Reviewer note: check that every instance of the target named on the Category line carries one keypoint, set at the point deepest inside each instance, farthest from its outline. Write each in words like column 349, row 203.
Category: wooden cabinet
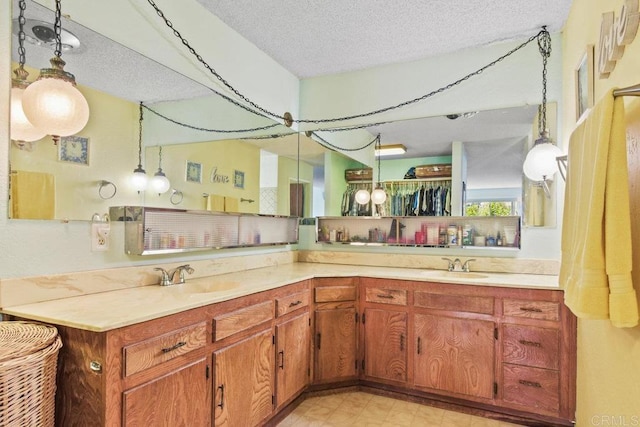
column 180, row 397
column 292, row 358
column 385, row 344
column 454, row 355
column 243, row 386
column 335, row 333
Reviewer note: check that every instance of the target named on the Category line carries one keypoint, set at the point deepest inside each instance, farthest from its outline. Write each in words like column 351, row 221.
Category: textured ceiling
column 319, row 37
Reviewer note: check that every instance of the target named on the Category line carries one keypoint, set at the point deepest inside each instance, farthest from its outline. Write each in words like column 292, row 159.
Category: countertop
column 114, row 309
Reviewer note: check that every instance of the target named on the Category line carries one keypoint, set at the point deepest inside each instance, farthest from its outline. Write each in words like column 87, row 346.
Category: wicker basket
column 28, row 362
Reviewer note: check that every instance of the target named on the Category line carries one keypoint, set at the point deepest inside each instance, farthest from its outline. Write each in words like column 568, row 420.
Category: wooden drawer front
column 291, row 303
column 240, row 320
column 334, row 281
column 336, row 293
column 534, row 388
column 543, row 310
column 386, row 296
column 531, row 346
column 472, row 304
column 152, row 352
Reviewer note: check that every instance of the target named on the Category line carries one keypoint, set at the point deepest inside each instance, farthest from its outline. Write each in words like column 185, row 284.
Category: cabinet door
column 455, row 355
column 335, row 344
column 292, row 357
column 385, row 344
column 243, row 386
column 179, row 398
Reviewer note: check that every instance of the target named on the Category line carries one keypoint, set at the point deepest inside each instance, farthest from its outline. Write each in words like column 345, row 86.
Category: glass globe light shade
column 21, row 128
column 541, row 163
column 363, row 196
column 378, row 196
column 159, row 183
column 55, row 106
column 139, row 179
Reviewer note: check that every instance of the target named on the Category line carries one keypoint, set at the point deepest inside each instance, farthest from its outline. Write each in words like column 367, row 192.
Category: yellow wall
column 608, row 379
column 288, row 174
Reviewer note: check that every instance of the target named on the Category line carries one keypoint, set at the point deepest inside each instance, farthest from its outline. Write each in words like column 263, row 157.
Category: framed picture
column 74, row 149
column 584, row 82
column 238, row 179
column 193, row 172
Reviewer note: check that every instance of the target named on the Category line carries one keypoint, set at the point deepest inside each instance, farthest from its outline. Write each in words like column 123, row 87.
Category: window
column 492, row 208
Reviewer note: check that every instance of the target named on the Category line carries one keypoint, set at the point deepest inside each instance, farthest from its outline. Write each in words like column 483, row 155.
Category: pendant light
column 53, row 103
column 160, row 183
column 540, row 163
column 378, row 195
column 22, row 130
column 139, row 177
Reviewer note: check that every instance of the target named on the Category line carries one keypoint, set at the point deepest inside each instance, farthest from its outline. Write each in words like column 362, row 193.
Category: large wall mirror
column 269, row 170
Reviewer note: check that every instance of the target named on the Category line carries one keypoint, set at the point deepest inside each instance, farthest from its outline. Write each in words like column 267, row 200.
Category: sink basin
column 444, row 274
column 206, row 288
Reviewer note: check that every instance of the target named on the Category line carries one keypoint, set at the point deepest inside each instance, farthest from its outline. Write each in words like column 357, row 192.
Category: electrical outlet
column 100, row 237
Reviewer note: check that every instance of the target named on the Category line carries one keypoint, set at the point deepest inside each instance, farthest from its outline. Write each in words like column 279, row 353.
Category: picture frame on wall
column 584, row 83
column 74, row 149
column 193, row 172
column 238, row 179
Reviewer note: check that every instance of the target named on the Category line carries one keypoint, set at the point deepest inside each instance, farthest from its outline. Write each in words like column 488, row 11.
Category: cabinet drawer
column 291, row 303
column 336, row 293
column 534, row 388
column 472, row 304
column 152, row 352
column 240, row 320
column 531, row 346
column 543, row 310
column 386, row 296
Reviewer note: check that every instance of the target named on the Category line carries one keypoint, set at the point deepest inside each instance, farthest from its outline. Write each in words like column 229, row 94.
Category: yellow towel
column 596, row 236
column 33, row 195
column 215, row 203
column 231, row 204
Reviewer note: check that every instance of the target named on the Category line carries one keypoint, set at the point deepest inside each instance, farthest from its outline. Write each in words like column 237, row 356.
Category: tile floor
column 363, row 409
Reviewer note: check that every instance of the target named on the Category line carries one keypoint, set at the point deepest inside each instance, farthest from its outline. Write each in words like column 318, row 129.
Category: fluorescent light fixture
column 390, row 150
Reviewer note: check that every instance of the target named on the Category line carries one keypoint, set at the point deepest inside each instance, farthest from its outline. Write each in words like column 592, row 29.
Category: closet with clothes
column 427, row 197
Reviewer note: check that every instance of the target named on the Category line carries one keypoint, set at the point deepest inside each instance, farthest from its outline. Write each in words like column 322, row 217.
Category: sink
column 206, row 288
column 444, row 274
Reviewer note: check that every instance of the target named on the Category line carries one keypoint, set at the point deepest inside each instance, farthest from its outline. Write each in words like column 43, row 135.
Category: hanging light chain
column 169, row 119
column 140, row 137
column 479, row 71
column 378, row 145
column 544, row 46
column 57, row 28
column 160, row 158
column 21, row 36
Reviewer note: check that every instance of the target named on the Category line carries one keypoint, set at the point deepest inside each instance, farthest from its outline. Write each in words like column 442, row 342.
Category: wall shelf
column 499, row 233
column 156, row 231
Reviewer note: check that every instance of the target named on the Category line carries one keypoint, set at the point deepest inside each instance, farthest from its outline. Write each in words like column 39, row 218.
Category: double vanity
column 243, row 348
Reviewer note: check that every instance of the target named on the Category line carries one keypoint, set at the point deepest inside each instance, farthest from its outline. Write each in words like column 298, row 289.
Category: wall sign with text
column 615, row 34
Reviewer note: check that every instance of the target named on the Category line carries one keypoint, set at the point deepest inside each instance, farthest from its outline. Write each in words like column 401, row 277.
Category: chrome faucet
column 465, row 266
column 454, row 265
column 169, row 278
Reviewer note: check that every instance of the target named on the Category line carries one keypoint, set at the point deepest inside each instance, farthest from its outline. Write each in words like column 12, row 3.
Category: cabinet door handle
column 281, row 354
column 174, row 347
column 401, row 342
column 419, row 345
column 221, row 404
column 530, row 343
column 386, row 296
column 318, row 340
column 531, row 309
column 530, row 383
column 293, row 304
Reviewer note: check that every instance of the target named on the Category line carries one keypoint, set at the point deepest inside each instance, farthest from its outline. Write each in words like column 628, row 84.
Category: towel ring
column 107, row 190
column 176, row 197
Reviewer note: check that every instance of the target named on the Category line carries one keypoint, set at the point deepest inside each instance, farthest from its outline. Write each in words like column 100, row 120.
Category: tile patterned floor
column 355, row 409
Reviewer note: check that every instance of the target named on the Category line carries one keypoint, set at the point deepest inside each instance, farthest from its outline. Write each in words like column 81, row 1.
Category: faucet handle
column 180, row 270
column 465, row 266
column 451, row 265
column 164, row 278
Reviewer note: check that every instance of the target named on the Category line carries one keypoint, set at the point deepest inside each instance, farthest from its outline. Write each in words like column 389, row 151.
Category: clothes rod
column 628, row 91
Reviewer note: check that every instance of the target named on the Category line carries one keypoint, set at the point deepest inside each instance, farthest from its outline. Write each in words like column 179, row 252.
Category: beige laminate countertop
column 114, row 309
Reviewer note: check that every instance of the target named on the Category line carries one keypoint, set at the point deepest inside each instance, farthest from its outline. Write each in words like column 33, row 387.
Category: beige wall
column 608, row 358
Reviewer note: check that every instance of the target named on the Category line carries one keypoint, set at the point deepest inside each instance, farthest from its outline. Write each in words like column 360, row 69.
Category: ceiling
column 313, row 38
